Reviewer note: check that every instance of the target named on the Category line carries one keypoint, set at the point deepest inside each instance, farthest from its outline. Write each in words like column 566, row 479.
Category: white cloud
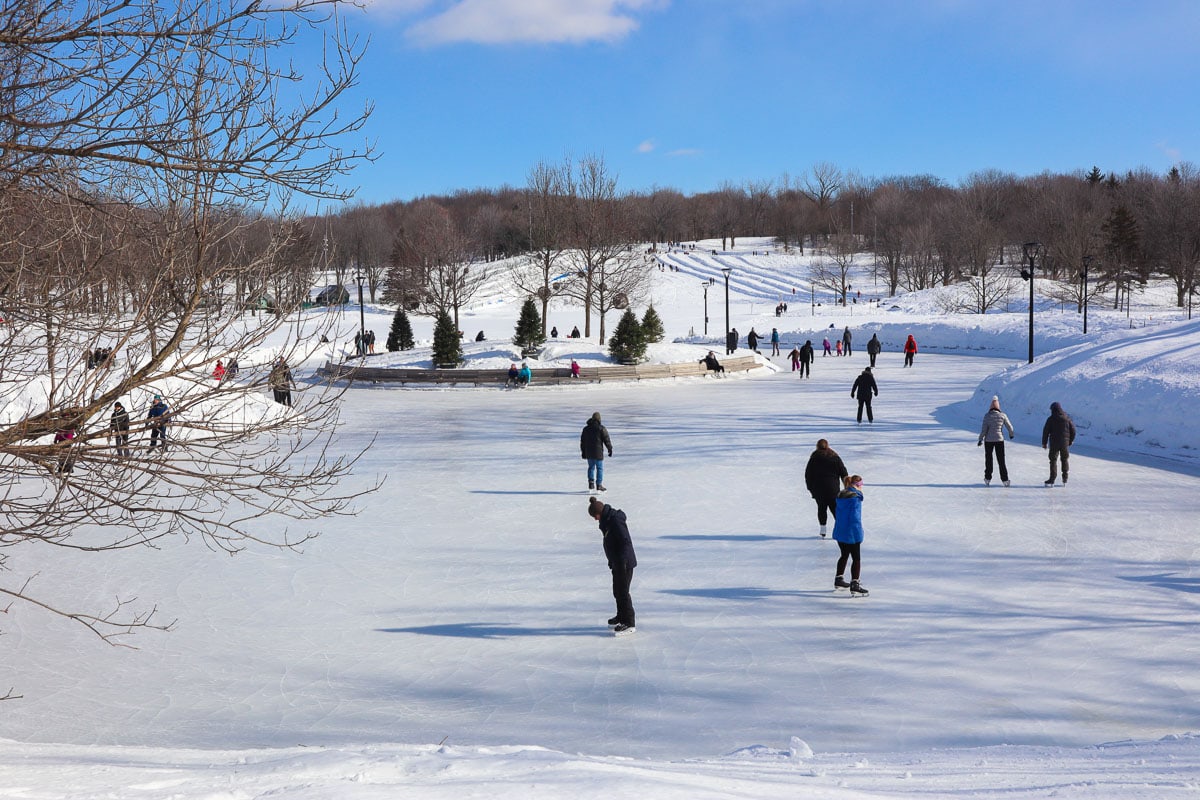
column 538, row 21
column 646, row 146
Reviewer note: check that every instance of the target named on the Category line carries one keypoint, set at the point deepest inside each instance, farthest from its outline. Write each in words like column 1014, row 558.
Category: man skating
column 593, row 441
column 1058, row 434
column 618, row 549
column 865, row 387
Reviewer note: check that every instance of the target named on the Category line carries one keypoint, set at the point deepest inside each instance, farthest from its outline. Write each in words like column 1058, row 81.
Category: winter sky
column 690, row 94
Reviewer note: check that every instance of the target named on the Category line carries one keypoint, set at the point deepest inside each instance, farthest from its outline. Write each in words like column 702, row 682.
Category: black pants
column 988, row 449
column 865, row 402
column 1057, row 453
column 849, row 552
column 805, row 369
column 122, row 440
column 283, row 396
column 622, row 578
column 873, row 355
column 826, row 507
column 158, row 433
column 908, row 359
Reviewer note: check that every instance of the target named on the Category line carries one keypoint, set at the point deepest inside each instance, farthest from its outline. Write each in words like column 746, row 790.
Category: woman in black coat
column 823, row 477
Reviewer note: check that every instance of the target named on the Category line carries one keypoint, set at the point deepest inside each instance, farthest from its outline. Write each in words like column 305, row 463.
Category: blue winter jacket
column 847, row 526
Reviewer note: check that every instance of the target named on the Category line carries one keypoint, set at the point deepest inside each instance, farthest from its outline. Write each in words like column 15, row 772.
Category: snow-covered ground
column 449, row 640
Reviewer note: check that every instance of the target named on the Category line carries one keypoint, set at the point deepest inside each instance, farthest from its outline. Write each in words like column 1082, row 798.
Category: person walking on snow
column 731, row 340
column 158, row 416
column 823, row 476
column 865, row 386
column 618, row 549
column 873, row 347
column 846, row 341
column 910, row 350
column 118, row 428
column 991, row 438
column 848, row 533
column 752, row 339
column 774, row 341
column 593, row 441
column 1058, row 434
column 281, row 382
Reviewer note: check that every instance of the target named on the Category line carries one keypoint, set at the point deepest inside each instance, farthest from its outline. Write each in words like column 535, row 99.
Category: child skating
column 848, row 533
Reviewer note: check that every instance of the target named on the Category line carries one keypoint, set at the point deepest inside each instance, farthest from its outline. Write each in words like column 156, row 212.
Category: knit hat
column 996, row 402
column 596, row 416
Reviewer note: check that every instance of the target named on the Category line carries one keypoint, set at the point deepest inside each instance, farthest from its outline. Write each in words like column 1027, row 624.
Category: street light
column 1083, row 276
column 727, row 270
column 706, row 284
column 1032, row 250
column 362, row 319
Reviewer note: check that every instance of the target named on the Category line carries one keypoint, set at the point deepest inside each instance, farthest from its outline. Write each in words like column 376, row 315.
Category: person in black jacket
column 1058, row 434
column 873, row 347
column 807, row 356
column 593, row 441
column 618, row 549
column 823, row 477
column 118, row 425
column 865, row 386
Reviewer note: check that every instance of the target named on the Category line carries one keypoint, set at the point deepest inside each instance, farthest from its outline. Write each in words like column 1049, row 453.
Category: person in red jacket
column 910, row 350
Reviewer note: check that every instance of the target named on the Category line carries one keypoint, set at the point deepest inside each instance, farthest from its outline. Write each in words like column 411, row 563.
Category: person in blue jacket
column 618, row 549
column 524, row 375
column 848, row 533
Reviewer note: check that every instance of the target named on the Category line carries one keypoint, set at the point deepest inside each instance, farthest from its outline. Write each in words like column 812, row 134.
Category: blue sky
column 692, row 94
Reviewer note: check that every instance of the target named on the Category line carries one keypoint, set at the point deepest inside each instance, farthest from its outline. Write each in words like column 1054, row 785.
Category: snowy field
column 448, row 641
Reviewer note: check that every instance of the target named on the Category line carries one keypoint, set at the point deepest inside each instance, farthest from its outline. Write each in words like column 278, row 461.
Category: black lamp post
column 706, row 284
column 1083, row 281
column 1032, row 249
column 362, row 319
column 727, row 270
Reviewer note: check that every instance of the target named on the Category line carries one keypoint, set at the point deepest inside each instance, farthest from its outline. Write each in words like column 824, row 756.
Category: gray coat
column 994, row 423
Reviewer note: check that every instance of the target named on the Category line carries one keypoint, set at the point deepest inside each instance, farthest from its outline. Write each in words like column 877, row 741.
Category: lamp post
column 727, row 270
column 1032, row 249
column 705, row 285
column 1083, row 276
column 362, row 319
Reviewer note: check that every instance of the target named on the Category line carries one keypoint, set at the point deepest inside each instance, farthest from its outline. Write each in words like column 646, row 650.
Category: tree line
column 578, row 235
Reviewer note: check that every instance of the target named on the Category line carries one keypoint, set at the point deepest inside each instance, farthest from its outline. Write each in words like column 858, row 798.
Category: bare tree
column 833, row 271
column 539, row 274
column 136, row 140
column 607, row 270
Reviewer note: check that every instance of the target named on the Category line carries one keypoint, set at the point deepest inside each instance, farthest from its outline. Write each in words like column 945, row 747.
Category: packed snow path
column 467, row 601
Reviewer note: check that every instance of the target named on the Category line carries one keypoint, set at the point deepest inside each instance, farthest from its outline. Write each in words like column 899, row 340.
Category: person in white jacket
column 991, row 438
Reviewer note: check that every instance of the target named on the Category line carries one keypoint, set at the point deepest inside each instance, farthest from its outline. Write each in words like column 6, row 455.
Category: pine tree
column 401, row 335
column 652, row 326
column 447, row 350
column 627, row 345
column 529, row 327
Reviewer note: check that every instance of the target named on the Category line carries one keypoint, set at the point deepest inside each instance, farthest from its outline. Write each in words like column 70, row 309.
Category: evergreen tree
column 401, row 336
column 652, row 326
column 529, row 327
column 627, row 345
column 1095, row 177
column 447, row 350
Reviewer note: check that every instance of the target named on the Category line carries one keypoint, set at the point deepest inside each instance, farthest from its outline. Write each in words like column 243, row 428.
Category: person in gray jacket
column 991, row 438
column 1058, row 434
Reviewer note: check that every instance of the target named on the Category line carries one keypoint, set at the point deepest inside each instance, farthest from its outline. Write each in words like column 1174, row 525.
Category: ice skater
column 823, row 476
column 1058, row 434
column 593, row 441
column 991, row 439
column 618, row 549
column 848, row 533
column 865, row 386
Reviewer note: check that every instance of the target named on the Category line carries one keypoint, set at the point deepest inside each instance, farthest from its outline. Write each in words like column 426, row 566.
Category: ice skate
column 823, row 531
column 840, row 583
column 857, row 588
column 1007, row 483
column 591, row 484
column 987, row 481
column 600, row 487
column 612, row 623
column 621, row 629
